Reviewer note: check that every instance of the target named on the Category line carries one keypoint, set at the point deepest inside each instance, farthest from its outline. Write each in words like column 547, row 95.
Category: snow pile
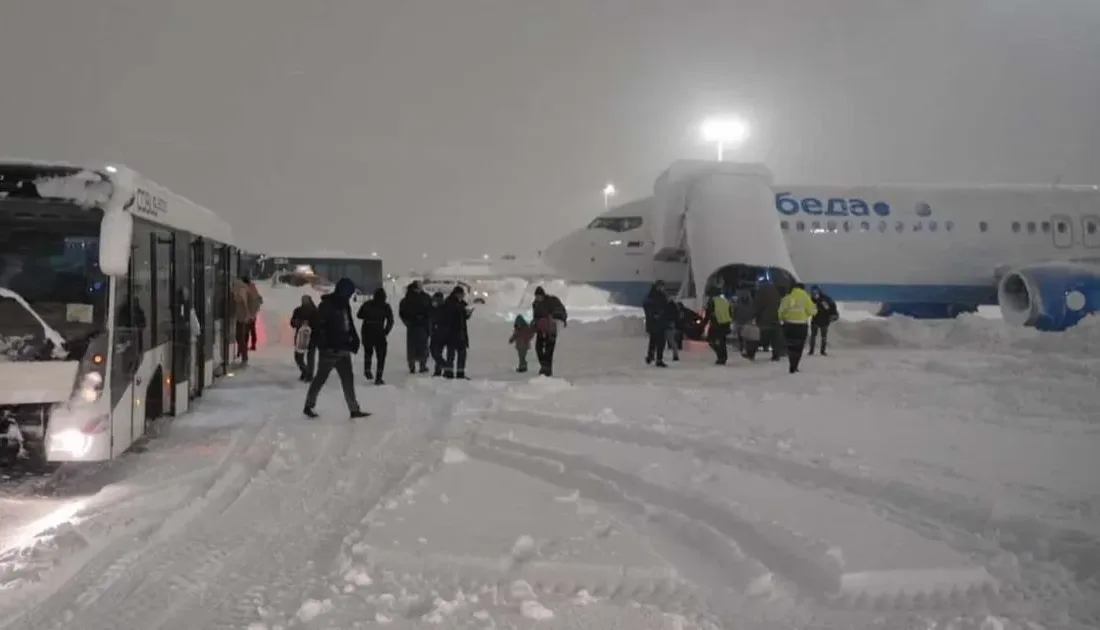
column 52, row 335
column 968, row 330
column 86, row 188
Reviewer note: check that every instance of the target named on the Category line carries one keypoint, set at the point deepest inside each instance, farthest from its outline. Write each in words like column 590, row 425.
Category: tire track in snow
column 111, row 567
column 386, row 456
column 912, row 506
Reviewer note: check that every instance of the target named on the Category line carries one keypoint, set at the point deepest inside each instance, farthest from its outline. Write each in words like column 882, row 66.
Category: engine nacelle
column 1049, row 296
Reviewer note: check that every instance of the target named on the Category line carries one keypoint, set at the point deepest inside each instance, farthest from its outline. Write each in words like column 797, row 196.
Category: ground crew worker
column 796, row 309
column 719, row 318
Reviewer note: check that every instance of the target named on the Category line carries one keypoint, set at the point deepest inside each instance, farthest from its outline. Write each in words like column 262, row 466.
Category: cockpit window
column 616, row 224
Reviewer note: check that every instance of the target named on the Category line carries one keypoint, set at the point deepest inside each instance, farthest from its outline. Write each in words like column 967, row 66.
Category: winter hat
column 540, row 291
column 520, row 321
column 380, row 294
column 344, row 287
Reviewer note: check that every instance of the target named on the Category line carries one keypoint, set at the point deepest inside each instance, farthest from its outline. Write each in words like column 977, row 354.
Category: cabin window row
column 822, row 227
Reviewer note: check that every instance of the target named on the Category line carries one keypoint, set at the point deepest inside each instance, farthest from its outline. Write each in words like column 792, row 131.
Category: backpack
column 302, row 338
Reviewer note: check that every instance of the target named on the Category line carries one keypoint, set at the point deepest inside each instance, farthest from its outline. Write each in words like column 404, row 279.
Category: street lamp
column 608, row 192
column 724, row 132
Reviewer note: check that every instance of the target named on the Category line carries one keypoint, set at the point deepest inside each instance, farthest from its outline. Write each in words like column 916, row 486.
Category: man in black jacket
column 437, row 341
column 377, row 319
column 415, row 311
column 546, row 311
column 655, row 308
column 765, row 309
column 336, row 340
column 827, row 313
column 456, row 337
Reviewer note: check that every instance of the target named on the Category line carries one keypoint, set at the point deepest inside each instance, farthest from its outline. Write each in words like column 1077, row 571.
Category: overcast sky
column 461, row 127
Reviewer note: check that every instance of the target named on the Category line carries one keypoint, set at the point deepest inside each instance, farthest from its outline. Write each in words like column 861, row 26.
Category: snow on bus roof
column 113, row 186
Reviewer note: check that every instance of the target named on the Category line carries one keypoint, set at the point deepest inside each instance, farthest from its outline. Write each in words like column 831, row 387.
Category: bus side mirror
column 115, row 239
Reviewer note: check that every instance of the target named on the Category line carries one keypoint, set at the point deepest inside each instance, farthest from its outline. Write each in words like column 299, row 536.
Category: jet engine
column 1049, row 296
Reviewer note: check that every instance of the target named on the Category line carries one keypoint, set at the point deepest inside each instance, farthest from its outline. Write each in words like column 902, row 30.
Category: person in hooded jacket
column 719, row 317
column 742, row 317
column 303, row 317
column 241, row 315
column 673, row 328
column 377, row 316
column 656, row 313
column 827, row 313
column 336, row 340
column 546, row 311
column 254, row 301
column 765, row 309
column 437, row 341
column 453, row 316
column 415, row 311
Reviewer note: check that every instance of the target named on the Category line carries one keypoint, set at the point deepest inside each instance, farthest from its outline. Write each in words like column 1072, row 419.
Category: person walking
column 254, row 301
column 240, row 314
column 415, row 311
column 719, row 317
column 547, row 310
column 522, row 332
column 827, row 313
column 437, row 340
column 305, row 352
column 377, row 316
column 673, row 328
column 655, row 311
column 336, row 340
column 796, row 309
column 766, row 314
column 456, row 335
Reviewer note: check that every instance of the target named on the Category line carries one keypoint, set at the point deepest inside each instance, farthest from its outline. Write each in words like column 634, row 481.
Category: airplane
column 924, row 251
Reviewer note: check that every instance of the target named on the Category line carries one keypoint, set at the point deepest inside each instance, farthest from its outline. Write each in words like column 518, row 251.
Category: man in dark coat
column 674, row 328
column 546, row 311
column 437, row 341
column 415, row 311
column 827, row 313
column 765, row 309
column 456, row 337
column 377, row 319
column 304, row 316
column 336, row 340
column 655, row 308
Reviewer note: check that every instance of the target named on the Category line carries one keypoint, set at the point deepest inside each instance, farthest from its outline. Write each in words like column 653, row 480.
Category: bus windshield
column 49, row 258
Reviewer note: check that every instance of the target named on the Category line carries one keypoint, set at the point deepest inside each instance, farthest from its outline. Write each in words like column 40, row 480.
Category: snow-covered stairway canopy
column 722, row 214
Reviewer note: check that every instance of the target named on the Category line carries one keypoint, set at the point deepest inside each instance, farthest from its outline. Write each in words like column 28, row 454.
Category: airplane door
column 1090, row 231
column 1063, row 231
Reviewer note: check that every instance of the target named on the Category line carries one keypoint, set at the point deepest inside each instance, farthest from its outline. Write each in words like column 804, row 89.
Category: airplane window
column 1030, row 227
column 918, row 226
column 899, row 226
column 817, row 226
column 784, row 225
column 983, row 226
column 864, row 226
column 831, row 226
column 881, row 226
column 932, row 226
column 949, row 225
column 1016, row 227
column 616, row 224
column 847, row 226
column 1062, row 227
column 801, row 226
column 1090, row 227
column 1046, row 227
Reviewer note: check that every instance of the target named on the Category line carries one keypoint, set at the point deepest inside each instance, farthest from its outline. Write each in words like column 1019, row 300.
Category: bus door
column 198, row 303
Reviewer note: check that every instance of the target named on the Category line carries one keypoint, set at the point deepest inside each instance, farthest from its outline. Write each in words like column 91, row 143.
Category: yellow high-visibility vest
column 797, row 307
column 722, row 313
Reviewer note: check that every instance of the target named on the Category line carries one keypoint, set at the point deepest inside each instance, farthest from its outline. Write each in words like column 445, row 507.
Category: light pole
column 608, row 192
column 724, row 132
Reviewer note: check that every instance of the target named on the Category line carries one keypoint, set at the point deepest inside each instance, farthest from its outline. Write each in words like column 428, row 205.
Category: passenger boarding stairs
column 724, row 219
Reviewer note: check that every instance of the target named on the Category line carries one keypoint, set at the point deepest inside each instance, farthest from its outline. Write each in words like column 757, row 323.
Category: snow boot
column 309, row 412
column 368, row 375
column 662, row 364
column 379, row 381
column 359, row 414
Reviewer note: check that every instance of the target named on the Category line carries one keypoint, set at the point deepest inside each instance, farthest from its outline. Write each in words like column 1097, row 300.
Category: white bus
column 114, row 308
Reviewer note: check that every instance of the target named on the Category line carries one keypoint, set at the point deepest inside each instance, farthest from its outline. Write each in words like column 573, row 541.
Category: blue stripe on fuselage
column 632, row 293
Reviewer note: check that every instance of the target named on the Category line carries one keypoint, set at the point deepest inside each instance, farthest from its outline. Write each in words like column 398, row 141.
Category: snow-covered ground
column 925, row 473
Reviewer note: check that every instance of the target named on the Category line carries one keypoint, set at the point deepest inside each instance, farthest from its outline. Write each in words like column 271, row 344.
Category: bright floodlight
column 724, row 132
column 608, row 192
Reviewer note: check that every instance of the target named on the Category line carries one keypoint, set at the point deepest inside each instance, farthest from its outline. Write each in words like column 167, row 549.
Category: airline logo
column 790, row 205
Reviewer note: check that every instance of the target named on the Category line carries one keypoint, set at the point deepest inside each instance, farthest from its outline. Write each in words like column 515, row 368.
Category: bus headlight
column 71, row 441
column 91, row 386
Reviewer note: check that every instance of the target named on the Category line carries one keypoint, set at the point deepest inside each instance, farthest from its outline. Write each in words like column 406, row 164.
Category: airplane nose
column 554, row 256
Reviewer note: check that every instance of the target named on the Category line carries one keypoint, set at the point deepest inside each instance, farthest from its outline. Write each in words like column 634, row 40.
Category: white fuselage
column 942, row 244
